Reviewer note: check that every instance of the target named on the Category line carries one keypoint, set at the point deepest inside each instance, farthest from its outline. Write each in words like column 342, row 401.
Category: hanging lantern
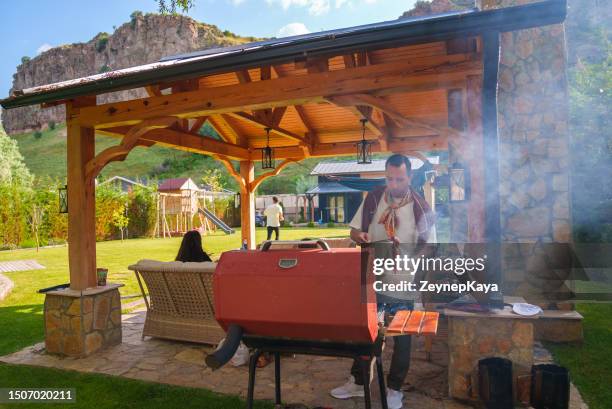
column 458, row 183
column 267, row 153
column 63, row 199
column 364, row 147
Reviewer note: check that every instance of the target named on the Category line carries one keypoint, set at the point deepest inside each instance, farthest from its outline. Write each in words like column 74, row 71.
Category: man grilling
column 394, row 213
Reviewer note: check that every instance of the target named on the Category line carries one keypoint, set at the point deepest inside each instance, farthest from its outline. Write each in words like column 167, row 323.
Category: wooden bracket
column 129, row 141
column 253, row 185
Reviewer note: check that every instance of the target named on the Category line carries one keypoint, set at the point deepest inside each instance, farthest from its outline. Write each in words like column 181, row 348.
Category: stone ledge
column 67, row 292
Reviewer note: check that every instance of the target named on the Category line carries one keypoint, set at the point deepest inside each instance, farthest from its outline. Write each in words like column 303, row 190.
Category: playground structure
column 183, row 206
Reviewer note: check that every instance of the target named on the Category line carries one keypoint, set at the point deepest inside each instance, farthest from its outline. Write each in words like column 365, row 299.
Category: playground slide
column 218, row 222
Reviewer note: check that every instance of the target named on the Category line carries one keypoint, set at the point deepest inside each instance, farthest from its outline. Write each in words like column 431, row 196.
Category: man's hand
column 360, row 236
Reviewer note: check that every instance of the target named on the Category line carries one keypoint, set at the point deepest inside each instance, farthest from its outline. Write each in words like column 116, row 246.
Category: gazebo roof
column 415, row 30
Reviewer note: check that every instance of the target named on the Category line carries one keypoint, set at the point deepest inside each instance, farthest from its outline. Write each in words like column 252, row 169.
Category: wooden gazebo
column 423, row 83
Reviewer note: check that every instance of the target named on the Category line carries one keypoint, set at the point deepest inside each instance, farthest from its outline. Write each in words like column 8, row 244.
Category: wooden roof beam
column 243, row 116
column 294, row 90
column 186, row 142
column 232, row 136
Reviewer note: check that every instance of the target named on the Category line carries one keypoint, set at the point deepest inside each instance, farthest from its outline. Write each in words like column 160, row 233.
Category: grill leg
column 252, row 369
column 381, row 382
column 365, row 369
column 277, row 378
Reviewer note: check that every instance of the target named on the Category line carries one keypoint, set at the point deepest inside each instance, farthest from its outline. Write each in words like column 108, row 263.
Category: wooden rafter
column 187, row 142
column 283, row 91
column 197, row 124
column 231, row 136
column 251, row 119
column 129, row 141
column 389, row 110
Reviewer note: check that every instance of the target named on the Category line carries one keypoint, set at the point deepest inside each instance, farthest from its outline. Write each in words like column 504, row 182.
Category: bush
column 109, row 200
column 51, row 125
column 25, row 59
column 37, row 134
column 310, row 224
column 101, row 42
column 135, row 16
column 104, row 68
column 142, row 208
column 331, row 224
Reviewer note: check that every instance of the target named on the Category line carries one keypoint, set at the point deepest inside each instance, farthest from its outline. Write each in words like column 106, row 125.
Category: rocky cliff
column 145, row 39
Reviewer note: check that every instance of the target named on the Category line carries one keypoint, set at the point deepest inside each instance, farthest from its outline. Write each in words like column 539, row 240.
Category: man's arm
column 359, row 236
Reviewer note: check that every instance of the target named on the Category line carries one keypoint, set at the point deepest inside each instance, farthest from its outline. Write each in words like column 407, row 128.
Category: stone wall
column 534, row 141
column 80, row 326
column 144, row 40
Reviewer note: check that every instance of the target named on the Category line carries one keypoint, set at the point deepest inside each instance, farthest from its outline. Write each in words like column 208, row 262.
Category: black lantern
column 364, row 147
column 63, row 199
column 267, row 153
column 458, row 183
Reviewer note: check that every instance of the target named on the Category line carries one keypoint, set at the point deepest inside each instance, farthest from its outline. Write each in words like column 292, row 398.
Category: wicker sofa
column 180, row 301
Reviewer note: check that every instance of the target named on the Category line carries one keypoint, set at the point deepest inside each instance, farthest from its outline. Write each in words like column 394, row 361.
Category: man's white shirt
column 273, row 214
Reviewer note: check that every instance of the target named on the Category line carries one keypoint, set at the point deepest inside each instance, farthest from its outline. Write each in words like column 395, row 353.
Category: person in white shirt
column 274, row 216
column 395, row 213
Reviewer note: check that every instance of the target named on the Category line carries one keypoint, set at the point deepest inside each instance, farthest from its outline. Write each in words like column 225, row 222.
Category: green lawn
column 21, row 311
column 21, row 322
column 590, row 364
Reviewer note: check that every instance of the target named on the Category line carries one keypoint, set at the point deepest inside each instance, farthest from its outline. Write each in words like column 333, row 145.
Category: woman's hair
column 191, row 248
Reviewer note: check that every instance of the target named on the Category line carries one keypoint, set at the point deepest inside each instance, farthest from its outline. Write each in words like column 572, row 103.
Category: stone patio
column 305, row 379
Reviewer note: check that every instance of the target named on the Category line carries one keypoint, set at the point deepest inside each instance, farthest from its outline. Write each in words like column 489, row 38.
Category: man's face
column 398, row 180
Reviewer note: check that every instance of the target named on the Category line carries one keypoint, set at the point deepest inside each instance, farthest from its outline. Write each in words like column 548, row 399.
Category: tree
column 12, row 167
column 170, row 6
column 120, row 220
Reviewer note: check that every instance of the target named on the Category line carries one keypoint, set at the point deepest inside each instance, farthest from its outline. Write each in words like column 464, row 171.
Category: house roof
column 415, row 30
column 377, row 165
column 331, row 187
column 173, row 184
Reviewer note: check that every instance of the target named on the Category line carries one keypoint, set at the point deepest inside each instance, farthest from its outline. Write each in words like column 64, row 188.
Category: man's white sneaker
column 394, row 398
column 349, row 390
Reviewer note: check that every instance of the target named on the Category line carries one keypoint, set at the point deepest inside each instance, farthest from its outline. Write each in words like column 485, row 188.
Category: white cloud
column 315, row 7
column 292, row 29
column 237, row 2
column 43, row 48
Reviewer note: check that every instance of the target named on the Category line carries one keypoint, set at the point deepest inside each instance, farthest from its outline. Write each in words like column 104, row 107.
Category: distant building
column 125, row 184
column 339, row 203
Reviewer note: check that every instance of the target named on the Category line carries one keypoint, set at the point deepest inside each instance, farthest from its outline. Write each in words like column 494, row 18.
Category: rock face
column 145, row 39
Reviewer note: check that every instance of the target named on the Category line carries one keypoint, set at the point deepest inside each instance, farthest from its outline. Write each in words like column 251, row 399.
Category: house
column 125, row 184
column 338, row 202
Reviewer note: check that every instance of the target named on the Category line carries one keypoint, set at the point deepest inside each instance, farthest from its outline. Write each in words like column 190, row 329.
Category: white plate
column 525, row 309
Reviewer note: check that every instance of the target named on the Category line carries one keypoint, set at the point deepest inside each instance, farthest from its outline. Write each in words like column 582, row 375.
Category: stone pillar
column 471, row 339
column 79, row 323
column 534, row 142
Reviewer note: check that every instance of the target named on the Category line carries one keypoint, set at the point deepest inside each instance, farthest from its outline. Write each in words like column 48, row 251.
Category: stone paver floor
column 305, row 379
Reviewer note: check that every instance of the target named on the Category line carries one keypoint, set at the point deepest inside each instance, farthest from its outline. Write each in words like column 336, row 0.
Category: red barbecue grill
column 300, row 298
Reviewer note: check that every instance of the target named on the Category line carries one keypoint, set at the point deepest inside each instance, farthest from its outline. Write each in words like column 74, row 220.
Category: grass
column 590, row 364
column 101, row 391
column 21, row 323
column 21, row 312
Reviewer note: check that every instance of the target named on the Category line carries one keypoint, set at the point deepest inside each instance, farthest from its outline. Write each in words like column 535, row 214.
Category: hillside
column 45, row 156
column 144, row 39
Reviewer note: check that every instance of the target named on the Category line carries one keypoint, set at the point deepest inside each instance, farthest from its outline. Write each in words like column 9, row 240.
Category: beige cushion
column 174, row 266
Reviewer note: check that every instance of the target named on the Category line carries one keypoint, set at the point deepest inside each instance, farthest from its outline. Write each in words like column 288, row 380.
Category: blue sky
column 29, row 26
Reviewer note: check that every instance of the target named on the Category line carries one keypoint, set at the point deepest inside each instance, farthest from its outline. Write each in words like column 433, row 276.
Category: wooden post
column 247, row 203
column 81, row 199
column 475, row 156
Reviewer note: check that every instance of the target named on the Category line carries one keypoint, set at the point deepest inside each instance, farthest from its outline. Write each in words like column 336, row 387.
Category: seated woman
column 191, row 248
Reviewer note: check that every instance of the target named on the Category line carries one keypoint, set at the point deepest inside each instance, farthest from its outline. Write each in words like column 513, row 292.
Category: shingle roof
column 331, row 187
column 377, row 165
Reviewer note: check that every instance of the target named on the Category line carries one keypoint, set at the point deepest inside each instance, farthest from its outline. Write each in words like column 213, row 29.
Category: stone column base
column 79, row 323
column 472, row 337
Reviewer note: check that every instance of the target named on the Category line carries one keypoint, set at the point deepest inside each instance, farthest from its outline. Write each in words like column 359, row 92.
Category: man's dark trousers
column 400, row 362
column 273, row 229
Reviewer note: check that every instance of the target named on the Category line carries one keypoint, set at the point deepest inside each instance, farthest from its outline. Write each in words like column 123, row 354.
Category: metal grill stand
column 364, row 352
